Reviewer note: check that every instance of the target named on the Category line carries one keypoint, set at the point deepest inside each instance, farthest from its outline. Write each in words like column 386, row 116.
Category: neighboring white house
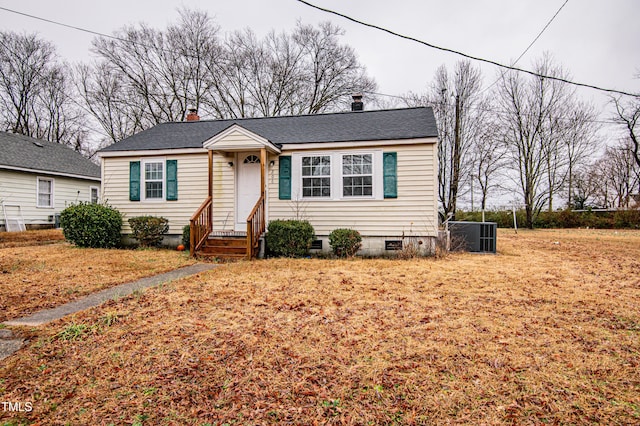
column 39, row 179
column 372, row 171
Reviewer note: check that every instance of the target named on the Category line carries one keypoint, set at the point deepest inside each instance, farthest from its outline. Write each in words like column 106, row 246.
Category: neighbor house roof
column 407, row 123
column 19, row 152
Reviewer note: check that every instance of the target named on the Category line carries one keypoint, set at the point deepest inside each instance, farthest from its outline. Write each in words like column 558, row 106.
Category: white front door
column 247, row 187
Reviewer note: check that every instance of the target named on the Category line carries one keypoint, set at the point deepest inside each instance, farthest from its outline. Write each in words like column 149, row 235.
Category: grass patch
column 74, row 332
column 543, row 332
column 37, row 277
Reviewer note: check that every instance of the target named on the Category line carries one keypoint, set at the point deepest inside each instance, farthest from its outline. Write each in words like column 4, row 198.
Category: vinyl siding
column 192, row 190
column 224, row 192
column 413, row 212
column 236, row 140
column 21, row 188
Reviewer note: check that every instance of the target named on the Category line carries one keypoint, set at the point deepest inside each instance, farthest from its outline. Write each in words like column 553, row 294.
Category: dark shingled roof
column 34, row 154
column 407, row 123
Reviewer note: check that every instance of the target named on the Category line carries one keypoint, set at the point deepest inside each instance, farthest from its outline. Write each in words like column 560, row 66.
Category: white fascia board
column 356, row 144
column 152, row 152
column 51, row 173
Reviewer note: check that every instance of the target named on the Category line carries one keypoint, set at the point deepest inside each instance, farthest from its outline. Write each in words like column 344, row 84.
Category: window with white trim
column 337, row 175
column 45, row 192
column 94, row 194
column 357, row 175
column 153, row 174
column 316, row 176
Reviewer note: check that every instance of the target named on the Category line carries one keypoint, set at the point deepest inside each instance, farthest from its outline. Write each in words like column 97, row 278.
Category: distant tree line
column 524, row 134
column 529, row 135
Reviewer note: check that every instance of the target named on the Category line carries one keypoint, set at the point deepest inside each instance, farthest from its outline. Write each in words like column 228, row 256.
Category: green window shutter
column 134, row 181
column 390, row 167
column 284, row 184
column 172, row 180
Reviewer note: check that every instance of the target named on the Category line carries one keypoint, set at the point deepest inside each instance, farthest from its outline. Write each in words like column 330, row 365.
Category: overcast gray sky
column 597, row 41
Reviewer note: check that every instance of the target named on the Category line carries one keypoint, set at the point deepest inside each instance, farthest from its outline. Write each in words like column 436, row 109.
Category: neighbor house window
column 357, row 175
column 154, row 180
column 94, row 194
column 45, row 192
column 316, row 176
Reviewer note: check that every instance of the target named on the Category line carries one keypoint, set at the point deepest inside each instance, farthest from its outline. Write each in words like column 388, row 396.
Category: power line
column 530, row 44
column 358, row 22
column 73, row 27
column 475, row 58
column 542, row 31
column 85, row 30
column 497, row 111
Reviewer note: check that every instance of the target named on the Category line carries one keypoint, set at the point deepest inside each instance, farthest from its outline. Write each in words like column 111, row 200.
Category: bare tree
column 628, row 114
column 36, row 97
column 148, row 76
column 488, row 159
column 331, row 72
column 460, row 112
column 619, row 174
column 580, row 141
column 587, row 185
column 306, row 72
column 539, row 116
column 111, row 102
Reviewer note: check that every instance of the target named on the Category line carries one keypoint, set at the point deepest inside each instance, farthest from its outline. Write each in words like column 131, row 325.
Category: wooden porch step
column 225, row 248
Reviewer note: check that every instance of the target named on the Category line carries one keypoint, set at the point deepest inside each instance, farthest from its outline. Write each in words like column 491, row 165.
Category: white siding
column 414, row 212
column 224, row 191
column 192, row 190
column 237, row 140
column 21, row 188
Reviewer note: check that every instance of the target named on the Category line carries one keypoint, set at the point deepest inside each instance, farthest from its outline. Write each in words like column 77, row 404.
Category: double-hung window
column 45, row 192
column 333, row 175
column 316, row 176
column 357, row 175
column 94, row 194
column 154, row 180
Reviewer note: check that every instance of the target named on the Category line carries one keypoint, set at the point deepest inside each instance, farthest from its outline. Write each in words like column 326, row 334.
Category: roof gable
column 19, row 152
column 237, row 138
column 394, row 124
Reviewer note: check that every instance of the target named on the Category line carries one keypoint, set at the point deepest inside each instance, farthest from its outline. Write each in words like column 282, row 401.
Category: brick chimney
column 193, row 114
column 357, row 104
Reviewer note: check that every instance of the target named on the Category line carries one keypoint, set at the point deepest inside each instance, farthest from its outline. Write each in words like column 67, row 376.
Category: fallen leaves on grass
column 33, row 278
column 537, row 334
column 30, row 238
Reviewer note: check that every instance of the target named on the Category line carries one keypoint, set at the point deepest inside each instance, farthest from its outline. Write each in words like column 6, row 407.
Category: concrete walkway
column 10, row 344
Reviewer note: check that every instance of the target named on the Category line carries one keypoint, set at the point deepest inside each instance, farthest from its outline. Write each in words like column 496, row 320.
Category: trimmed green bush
column 345, row 242
column 149, row 230
column 186, row 236
column 91, row 225
column 289, row 238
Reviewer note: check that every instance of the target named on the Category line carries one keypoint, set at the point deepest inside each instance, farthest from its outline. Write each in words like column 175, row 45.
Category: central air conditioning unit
column 478, row 237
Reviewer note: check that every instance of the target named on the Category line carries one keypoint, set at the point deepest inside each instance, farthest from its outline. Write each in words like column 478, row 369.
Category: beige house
column 372, row 171
column 39, row 179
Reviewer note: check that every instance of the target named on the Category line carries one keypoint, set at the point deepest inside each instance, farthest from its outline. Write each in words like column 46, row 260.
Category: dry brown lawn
column 545, row 332
column 39, row 271
column 30, row 238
